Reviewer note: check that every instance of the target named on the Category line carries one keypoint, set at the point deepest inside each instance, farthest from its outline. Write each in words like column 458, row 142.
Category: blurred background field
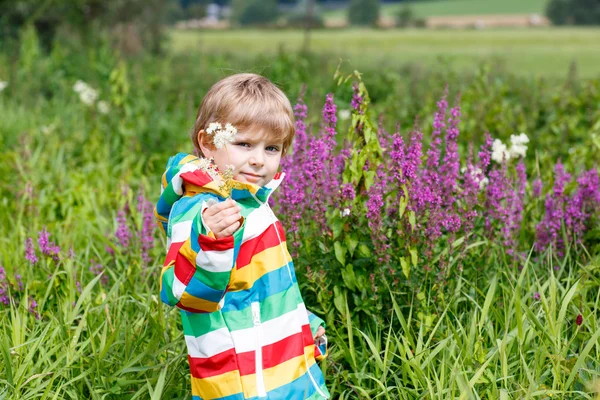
column 544, row 52
column 95, row 96
column 436, row 8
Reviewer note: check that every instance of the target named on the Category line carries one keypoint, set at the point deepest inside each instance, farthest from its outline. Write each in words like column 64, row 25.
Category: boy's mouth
column 252, row 178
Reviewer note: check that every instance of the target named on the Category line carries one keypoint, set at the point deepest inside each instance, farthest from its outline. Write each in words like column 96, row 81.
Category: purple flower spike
column 357, row 99
column 4, row 299
column 47, row 247
column 123, row 235
column 33, row 307
column 147, row 234
column 97, row 269
column 30, row 252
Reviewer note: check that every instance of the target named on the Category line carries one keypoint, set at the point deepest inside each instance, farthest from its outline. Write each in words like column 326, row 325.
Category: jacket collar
column 195, row 178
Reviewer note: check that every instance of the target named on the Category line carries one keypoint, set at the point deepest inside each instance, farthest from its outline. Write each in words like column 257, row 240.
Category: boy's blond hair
column 247, row 101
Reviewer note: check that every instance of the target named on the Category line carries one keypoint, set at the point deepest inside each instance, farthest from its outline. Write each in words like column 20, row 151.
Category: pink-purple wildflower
column 97, row 268
column 33, row 307
column 4, row 299
column 30, row 253
column 47, row 247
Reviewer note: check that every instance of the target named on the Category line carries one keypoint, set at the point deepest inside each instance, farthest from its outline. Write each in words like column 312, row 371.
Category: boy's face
column 254, row 155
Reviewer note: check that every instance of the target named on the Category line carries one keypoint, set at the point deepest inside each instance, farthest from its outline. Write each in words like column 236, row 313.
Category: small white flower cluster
column 48, row 129
column 89, row 95
column 344, row 114
column 345, row 212
column 3, row 85
column 221, row 136
column 477, row 175
column 518, row 148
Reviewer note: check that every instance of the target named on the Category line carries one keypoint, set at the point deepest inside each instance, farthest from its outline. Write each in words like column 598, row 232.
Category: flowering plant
column 222, row 136
column 391, row 212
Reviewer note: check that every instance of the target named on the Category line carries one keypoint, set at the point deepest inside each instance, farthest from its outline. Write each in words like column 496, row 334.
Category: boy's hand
column 320, row 332
column 223, row 218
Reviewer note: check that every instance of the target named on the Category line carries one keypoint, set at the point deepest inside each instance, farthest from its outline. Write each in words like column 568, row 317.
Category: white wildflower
column 518, row 148
column 46, row 130
column 212, row 127
column 103, row 107
column 88, row 96
column 483, row 182
column 477, row 175
column 80, row 86
column 345, row 212
column 221, row 136
column 230, row 128
column 3, row 85
column 344, row 114
column 499, row 151
column 519, row 139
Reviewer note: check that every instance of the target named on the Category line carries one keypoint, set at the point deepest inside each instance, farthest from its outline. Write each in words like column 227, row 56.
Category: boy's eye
column 273, row 148
column 243, row 144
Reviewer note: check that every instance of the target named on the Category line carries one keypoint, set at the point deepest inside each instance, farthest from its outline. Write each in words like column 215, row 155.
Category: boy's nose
column 257, row 159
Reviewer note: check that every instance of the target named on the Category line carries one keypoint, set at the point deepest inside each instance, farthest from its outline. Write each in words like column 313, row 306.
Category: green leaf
column 364, row 250
column 338, row 300
column 412, row 219
column 349, row 277
column 458, row 242
column 403, row 201
column 340, row 252
column 405, row 267
column 351, row 242
column 369, row 178
column 337, row 225
column 414, row 257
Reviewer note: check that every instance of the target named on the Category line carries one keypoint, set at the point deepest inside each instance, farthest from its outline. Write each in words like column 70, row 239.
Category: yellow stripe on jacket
column 266, row 261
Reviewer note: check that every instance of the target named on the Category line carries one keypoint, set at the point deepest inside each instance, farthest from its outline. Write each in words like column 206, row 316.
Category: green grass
column 490, row 337
column 458, row 7
column 539, row 52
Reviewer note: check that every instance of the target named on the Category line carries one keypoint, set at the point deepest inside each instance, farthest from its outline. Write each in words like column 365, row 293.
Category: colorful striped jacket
column 248, row 333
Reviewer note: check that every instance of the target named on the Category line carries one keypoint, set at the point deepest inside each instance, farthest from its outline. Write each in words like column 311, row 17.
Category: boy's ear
column 206, row 148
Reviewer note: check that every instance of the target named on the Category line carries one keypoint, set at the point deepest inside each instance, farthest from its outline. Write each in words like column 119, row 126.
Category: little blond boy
column 248, row 333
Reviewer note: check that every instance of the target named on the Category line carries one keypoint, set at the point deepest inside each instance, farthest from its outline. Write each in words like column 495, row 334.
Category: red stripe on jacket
column 215, row 365
column 209, row 244
column 264, row 241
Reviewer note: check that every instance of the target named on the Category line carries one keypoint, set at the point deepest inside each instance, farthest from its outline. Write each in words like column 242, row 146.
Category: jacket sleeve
column 320, row 344
column 198, row 266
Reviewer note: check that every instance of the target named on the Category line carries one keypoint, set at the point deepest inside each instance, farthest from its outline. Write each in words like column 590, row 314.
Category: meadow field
column 440, row 8
column 543, row 52
column 442, row 208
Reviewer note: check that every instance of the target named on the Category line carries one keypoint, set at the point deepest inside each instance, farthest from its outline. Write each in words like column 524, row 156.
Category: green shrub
column 299, row 17
column 406, row 18
column 364, row 12
column 254, row 12
column 574, row 12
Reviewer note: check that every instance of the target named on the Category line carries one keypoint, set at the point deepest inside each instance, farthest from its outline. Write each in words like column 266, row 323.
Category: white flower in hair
column 221, row 136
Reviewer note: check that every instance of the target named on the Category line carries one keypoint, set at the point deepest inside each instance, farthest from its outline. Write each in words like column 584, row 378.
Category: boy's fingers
column 220, row 207
column 230, row 230
column 228, row 212
column 320, row 332
column 228, row 221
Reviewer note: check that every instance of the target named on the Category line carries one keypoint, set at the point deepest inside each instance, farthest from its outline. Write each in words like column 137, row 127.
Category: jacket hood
column 186, row 174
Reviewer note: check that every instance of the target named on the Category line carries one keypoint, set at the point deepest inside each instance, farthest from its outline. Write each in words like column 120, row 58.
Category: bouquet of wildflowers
column 222, row 136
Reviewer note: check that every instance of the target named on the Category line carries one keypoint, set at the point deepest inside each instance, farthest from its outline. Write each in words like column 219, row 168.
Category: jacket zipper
column 260, row 381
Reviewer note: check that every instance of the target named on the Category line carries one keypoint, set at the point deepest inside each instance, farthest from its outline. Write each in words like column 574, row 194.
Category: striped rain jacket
column 248, row 333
